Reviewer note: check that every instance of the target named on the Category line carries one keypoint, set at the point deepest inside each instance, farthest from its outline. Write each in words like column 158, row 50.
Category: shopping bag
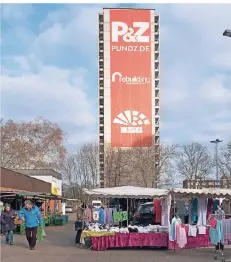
column 43, row 232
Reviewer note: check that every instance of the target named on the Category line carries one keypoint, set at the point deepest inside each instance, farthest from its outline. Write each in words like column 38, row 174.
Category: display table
column 193, row 242
column 130, row 240
column 92, row 234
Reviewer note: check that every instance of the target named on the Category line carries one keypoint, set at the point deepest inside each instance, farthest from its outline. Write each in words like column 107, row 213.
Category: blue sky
column 49, row 68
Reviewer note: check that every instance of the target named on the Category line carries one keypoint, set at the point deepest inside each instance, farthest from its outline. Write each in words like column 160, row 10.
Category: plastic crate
column 67, row 219
column 88, row 243
column 60, row 221
column 52, row 220
column 46, row 221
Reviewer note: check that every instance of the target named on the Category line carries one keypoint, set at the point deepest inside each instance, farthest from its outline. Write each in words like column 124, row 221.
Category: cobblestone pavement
column 59, row 246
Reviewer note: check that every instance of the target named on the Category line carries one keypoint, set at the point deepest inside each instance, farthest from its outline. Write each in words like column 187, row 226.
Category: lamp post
column 216, row 142
column 227, row 32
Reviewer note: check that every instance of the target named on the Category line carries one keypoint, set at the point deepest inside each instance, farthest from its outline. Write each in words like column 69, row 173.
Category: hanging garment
column 216, row 203
column 220, row 214
column 186, row 227
column 181, row 237
column 192, row 231
column 227, row 229
column 202, row 211
column 189, row 213
column 104, row 222
column 194, row 204
column 164, row 212
column 101, row 216
column 157, row 210
column 217, row 234
column 209, row 207
column 201, row 230
column 88, row 215
column 108, row 219
column 172, row 230
column 95, row 216
column 181, row 209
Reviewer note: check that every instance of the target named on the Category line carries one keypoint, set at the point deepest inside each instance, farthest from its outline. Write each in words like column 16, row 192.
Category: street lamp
column 216, row 142
column 227, row 32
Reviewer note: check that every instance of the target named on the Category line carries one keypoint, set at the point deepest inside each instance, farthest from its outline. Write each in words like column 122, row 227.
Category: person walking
column 32, row 217
column 7, row 222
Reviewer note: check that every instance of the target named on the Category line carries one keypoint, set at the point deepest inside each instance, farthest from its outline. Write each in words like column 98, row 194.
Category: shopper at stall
column 32, row 217
column 7, row 222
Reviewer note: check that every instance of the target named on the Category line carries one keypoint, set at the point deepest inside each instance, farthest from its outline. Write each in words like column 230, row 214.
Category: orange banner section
column 131, row 79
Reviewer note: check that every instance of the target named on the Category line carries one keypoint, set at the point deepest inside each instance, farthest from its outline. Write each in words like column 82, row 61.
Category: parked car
column 144, row 215
column 69, row 209
column 96, row 203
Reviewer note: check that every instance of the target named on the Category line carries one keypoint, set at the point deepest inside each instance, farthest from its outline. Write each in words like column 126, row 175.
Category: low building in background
column 224, row 183
column 16, row 181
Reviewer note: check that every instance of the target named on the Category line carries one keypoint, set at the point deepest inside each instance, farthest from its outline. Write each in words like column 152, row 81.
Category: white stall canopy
column 126, row 192
column 208, row 192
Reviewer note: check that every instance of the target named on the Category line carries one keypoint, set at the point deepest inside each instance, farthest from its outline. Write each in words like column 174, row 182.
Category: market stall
column 106, row 233
column 191, row 217
column 16, row 198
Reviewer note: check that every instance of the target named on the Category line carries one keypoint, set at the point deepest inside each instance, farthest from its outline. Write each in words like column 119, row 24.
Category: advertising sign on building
column 131, row 81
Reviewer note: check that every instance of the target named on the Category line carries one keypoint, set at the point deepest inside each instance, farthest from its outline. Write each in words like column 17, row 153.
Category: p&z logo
column 129, row 34
column 132, row 35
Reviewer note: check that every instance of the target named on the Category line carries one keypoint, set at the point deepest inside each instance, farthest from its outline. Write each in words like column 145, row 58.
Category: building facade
column 129, row 88
column 47, row 175
column 16, row 181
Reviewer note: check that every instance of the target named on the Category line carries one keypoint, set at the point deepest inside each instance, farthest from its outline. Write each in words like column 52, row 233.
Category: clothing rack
column 219, row 247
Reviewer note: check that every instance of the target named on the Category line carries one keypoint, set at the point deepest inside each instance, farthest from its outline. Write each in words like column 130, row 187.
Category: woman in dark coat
column 7, row 222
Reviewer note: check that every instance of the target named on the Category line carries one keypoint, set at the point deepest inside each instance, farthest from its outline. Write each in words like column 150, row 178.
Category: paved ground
column 59, row 247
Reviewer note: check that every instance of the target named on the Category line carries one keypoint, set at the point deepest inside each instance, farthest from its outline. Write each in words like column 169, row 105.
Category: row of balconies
column 157, row 95
column 101, row 107
column 157, row 107
column 156, row 27
column 157, row 55
column 101, row 82
column 156, row 19
column 101, row 76
column 101, row 131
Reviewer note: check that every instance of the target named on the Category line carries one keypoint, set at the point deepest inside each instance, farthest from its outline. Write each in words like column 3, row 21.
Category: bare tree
column 153, row 166
column 166, row 168
column 34, row 144
column 116, row 166
column 137, row 166
column 142, row 163
column 225, row 161
column 80, row 170
column 194, row 162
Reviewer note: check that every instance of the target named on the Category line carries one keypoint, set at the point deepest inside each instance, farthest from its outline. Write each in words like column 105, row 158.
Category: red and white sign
column 131, row 80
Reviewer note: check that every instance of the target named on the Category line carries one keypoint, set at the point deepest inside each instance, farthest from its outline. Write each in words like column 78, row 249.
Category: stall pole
column 174, row 211
column 127, row 211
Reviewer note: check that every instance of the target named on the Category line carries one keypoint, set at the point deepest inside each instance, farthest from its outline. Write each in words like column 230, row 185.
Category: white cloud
column 214, row 90
column 195, row 71
column 16, row 12
column 78, row 32
column 49, row 93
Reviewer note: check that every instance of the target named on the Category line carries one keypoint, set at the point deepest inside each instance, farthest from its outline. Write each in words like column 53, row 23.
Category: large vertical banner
column 131, row 81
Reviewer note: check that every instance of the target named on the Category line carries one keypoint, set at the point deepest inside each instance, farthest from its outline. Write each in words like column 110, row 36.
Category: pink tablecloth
column 130, row 240
column 194, row 242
